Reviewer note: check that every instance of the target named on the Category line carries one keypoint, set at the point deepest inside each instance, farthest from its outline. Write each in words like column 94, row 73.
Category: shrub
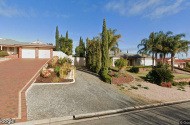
column 56, row 70
column 3, row 53
column 62, row 60
column 159, row 76
column 134, row 87
column 120, row 63
column 134, row 69
column 107, row 78
column 64, row 70
column 179, row 83
column 46, row 73
column 146, row 88
column 116, row 75
column 53, row 61
column 139, row 85
column 55, row 79
column 110, row 71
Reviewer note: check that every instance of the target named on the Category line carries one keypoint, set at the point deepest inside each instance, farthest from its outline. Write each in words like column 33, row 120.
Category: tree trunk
column 164, row 61
column 156, row 58
column 153, row 59
column 172, row 62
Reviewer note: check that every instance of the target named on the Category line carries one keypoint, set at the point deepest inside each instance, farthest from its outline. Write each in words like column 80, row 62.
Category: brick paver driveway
column 14, row 75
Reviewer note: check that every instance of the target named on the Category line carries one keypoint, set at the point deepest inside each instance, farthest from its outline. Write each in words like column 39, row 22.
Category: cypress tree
column 98, row 56
column 87, row 52
column 67, row 35
column 57, row 39
column 105, row 51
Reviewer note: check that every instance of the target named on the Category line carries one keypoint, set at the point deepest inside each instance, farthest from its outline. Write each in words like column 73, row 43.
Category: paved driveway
column 88, row 94
column 14, row 75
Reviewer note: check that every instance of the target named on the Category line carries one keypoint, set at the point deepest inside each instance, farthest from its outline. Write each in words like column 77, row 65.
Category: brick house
column 35, row 49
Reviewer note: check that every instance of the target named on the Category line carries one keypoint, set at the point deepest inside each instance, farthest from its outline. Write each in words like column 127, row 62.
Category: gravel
column 160, row 94
column 88, row 94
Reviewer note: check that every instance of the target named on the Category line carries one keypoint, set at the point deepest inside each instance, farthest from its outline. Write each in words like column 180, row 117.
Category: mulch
column 49, row 79
column 121, row 79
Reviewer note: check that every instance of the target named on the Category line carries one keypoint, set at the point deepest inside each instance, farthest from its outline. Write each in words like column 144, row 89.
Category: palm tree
column 113, row 40
column 177, row 45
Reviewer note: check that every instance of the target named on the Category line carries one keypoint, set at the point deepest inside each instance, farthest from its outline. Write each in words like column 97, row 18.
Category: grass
column 181, row 76
column 142, row 74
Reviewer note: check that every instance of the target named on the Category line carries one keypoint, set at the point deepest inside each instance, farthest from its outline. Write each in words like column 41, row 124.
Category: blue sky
column 29, row 20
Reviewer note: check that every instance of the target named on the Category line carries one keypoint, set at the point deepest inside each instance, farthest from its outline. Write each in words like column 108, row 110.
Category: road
column 162, row 116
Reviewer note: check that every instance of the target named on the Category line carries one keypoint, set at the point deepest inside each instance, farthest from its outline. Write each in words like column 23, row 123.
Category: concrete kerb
column 98, row 114
column 103, row 113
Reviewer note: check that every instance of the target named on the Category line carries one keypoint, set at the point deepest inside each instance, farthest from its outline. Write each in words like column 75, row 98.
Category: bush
column 116, row 75
column 53, row 61
column 107, row 78
column 3, row 53
column 159, row 76
column 55, row 79
column 62, row 60
column 120, row 63
column 134, row 69
column 179, row 83
column 56, row 70
column 46, row 73
column 134, row 87
column 64, row 70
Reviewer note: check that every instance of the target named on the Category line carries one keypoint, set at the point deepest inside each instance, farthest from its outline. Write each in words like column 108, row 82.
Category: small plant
column 55, row 79
column 56, row 70
column 139, row 85
column 3, row 53
column 119, row 84
column 134, row 69
column 120, row 63
column 46, row 73
column 146, row 88
column 41, row 72
column 134, row 87
column 126, row 75
column 116, row 75
column 181, row 87
column 110, row 71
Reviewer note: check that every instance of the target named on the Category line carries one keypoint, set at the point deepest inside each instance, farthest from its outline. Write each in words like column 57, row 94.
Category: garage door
column 28, row 53
column 44, row 53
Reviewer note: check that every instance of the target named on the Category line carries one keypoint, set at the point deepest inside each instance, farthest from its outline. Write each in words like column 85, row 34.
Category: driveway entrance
column 14, row 75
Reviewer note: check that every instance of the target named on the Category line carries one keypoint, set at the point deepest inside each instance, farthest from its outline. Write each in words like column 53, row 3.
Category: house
column 133, row 59
column 35, row 49
column 177, row 62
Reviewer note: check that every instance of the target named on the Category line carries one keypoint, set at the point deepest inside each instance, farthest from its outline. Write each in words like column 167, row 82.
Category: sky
column 31, row 20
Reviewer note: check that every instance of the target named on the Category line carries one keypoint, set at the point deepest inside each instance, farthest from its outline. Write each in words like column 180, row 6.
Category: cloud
column 147, row 8
column 9, row 11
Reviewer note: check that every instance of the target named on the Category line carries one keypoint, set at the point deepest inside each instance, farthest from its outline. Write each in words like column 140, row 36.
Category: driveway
column 87, row 94
column 14, row 75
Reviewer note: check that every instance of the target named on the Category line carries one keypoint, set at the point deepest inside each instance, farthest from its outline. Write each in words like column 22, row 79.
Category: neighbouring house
column 35, row 49
column 133, row 59
column 177, row 62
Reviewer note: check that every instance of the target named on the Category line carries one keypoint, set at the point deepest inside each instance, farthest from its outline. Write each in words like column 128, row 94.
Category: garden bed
column 41, row 79
column 122, row 78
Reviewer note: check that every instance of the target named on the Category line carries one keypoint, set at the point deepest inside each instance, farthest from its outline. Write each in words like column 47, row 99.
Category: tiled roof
column 127, row 55
column 14, row 42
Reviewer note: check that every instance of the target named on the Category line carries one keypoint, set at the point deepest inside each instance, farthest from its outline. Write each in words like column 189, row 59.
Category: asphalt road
column 167, row 115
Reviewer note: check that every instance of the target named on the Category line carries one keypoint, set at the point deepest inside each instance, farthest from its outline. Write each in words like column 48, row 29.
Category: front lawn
column 142, row 74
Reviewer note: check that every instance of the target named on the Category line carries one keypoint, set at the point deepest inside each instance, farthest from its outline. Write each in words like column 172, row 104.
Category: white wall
column 77, row 61
column 148, row 61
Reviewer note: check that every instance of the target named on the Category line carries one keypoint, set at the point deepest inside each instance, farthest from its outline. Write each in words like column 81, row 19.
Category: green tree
column 57, row 39
column 66, row 45
column 67, row 35
column 98, row 56
column 80, row 50
column 177, row 46
column 105, row 51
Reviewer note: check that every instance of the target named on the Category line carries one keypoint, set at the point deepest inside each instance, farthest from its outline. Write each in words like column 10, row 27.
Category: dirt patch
column 158, row 93
column 122, row 78
column 50, row 79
